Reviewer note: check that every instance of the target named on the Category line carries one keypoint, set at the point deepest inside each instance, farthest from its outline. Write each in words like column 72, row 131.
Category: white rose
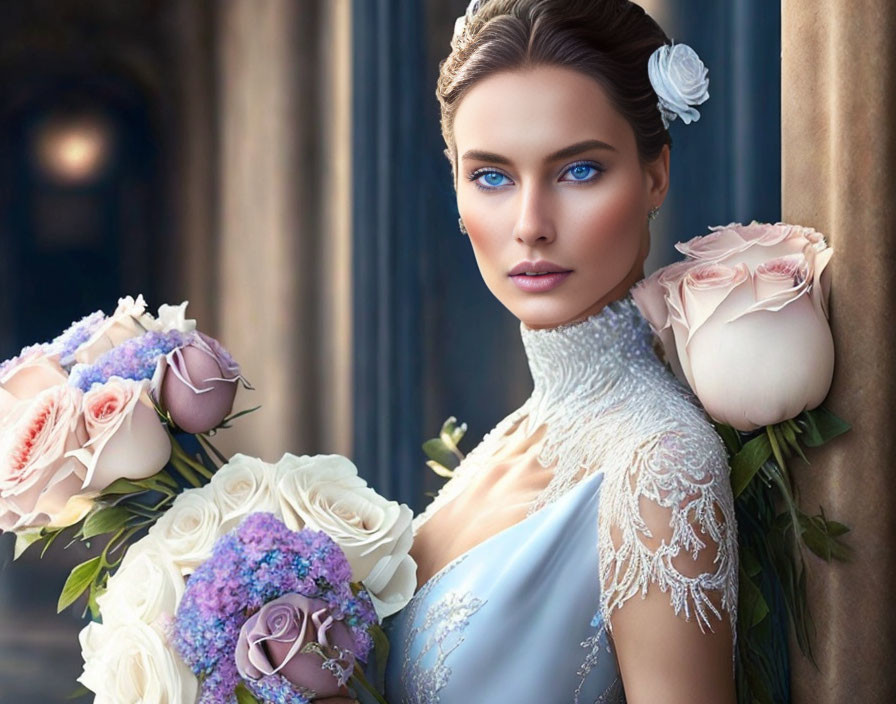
column 680, row 80
column 148, row 586
column 324, row 492
column 131, row 662
column 174, row 318
column 392, row 582
column 189, row 528
column 242, row 486
column 129, row 320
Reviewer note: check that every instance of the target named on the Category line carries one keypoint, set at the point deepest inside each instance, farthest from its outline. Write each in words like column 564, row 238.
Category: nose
column 534, row 221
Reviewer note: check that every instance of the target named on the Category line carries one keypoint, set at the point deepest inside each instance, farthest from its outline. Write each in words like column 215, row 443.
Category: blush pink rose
column 743, row 321
column 271, row 640
column 34, row 370
column 196, row 384
column 37, row 473
column 126, row 436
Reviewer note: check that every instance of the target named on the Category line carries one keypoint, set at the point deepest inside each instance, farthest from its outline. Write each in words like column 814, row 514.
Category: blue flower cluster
column 79, row 332
column 135, row 359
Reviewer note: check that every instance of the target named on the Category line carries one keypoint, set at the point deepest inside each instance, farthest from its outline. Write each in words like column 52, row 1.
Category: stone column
column 839, row 176
column 283, row 262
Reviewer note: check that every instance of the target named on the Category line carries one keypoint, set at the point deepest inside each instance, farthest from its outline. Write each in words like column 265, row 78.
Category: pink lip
column 539, row 284
column 539, row 266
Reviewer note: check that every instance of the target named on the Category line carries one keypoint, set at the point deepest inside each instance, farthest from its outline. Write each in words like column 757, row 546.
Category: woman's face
column 548, row 171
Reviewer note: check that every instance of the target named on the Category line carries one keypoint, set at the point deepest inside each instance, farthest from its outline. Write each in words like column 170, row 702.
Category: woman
column 586, row 549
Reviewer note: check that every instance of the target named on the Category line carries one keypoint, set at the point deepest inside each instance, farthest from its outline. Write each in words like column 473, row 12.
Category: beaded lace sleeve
column 668, row 519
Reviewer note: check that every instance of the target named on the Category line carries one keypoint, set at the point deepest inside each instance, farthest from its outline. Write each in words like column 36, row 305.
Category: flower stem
column 359, row 676
column 185, row 471
column 205, row 442
column 187, row 466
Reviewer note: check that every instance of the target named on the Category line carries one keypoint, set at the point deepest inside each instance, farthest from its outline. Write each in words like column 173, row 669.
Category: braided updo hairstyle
column 608, row 40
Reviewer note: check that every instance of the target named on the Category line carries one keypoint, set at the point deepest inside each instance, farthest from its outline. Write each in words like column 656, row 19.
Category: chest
column 496, row 494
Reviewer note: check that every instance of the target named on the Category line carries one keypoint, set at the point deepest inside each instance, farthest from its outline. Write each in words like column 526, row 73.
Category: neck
column 590, row 355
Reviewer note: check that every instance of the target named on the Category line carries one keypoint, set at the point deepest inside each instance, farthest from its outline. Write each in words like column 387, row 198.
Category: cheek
column 609, row 223
column 484, row 228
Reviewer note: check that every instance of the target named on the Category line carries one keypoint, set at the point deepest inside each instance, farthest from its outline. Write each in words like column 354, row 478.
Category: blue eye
column 583, row 171
column 489, row 180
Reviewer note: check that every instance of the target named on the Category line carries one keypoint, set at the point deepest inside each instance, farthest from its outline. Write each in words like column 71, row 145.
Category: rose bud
column 196, row 384
column 270, row 642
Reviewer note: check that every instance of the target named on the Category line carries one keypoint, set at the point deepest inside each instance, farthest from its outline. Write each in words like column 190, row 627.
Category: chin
column 544, row 318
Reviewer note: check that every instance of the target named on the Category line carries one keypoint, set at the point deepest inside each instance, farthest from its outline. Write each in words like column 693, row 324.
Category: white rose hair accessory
column 461, row 21
column 679, row 78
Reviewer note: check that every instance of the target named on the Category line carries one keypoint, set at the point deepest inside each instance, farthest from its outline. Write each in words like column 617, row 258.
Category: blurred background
column 278, row 163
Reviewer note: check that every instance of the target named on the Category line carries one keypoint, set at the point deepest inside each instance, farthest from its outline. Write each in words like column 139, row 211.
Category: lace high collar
column 588, row 357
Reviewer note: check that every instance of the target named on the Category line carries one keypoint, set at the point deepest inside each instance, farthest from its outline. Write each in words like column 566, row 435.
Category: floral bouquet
column 89, row 425
column 266, row 585
column 743, row 321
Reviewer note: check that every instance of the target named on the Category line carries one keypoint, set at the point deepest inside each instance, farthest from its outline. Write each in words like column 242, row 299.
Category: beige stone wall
column 839, row 176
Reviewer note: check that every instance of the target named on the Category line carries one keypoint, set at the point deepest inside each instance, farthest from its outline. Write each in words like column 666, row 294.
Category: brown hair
column 608, row 40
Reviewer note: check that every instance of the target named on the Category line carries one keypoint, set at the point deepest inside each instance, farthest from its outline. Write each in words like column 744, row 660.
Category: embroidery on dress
column 609, row 404
column 598, row 646
column 443, row 625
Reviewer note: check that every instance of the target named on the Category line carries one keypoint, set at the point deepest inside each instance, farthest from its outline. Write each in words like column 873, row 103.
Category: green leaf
column 226, row 422
column 79, row 579
column 751, row 601
column 438, row 451
column 381, row 652
column 837, row 529
column 123, row 486
column 244, row 696
column 747, row 462
column 750, row 562
column 822, row 425
column 818, row 537
column 730, row 436
column 79, row 691
column 106, row 520
column 23, row 540
column 49, row 540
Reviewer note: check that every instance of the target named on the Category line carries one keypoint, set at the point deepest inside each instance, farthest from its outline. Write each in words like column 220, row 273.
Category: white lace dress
column 523, row 616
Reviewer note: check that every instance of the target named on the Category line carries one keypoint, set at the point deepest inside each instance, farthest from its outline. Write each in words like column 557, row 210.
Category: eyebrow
column 564, row 153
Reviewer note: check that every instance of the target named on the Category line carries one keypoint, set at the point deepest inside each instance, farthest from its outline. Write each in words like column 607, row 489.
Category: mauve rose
column 37, row 475
column 196, row 384
column 270, row 641
column 130, row 319
column 126, row 436
column 743, row 321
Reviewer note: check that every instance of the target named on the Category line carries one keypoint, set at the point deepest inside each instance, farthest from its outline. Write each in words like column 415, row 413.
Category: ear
column 657, row 174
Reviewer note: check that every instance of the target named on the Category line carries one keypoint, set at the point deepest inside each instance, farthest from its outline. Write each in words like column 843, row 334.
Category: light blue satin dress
column 501, row 600
column 523, row 616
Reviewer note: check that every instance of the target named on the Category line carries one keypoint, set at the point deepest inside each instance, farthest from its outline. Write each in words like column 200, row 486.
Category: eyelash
column 476, row 175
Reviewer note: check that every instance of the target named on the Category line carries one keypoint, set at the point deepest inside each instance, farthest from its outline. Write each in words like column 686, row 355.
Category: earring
column 463, row 230
column 652, row 213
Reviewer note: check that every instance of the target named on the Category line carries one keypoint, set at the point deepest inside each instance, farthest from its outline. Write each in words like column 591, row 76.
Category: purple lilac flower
column 135, row 359
column 257, row 562
column 77, row 334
